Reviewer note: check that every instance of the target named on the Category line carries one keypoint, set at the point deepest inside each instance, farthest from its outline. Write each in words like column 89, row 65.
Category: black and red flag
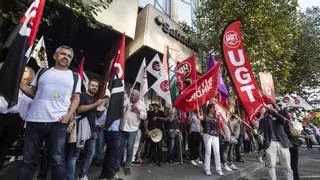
column 115, row 77
column 18, row 49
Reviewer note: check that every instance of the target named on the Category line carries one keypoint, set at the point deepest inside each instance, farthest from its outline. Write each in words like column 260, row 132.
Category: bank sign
column 174, row 33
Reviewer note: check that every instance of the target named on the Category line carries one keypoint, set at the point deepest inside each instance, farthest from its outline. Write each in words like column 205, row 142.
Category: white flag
column 300, row 102
column 287, row 100
column 142, row 80
column 161, row 87
column 155, row 67
column 39, row 54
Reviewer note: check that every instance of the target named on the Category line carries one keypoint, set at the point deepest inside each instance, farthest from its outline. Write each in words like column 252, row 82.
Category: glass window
column 144, row 3
column 162, row 5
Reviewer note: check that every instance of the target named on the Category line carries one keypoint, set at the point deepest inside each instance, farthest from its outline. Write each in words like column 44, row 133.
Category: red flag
column 18, row 47
column 239, row 69
column 116, row 86
column 187, row 69
column 80, row 69
column 199, row 92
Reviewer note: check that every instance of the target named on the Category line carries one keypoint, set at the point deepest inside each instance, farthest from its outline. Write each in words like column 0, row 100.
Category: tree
column 305, row 74
column 269, row 32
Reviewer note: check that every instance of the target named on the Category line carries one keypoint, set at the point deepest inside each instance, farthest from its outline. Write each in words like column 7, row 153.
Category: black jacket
column 264, row 127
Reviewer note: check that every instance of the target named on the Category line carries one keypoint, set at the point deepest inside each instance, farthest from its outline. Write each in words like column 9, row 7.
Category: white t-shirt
column 53, row 96
column 131, row 120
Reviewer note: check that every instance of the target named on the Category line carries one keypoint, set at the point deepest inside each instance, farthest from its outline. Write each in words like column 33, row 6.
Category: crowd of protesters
column 52, row 114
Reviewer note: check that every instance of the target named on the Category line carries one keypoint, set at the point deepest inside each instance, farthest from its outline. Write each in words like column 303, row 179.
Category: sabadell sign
column 175, row 33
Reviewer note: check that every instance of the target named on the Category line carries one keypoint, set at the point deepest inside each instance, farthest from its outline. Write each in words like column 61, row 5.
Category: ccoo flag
column 18, row 47
column 141, row 79
column 39, row 54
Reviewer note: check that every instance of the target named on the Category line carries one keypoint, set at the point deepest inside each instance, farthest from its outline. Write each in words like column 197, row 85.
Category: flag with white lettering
column 39, row 54
column 116, row 85
column 18, row 48
column 267, row 86
column 186, row 69
column 199, row 92
column 239, row 69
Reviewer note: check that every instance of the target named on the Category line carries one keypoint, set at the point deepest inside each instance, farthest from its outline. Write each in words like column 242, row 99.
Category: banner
column 199, row 92
column 39, row 54
column 239, row 69
column 18, row 48
column 141, row 79
column 267, row 85
column 116, row 85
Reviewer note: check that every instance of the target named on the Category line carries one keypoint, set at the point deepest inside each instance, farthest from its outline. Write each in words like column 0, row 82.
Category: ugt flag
column 199, row 92
column 239, row 69
column 18, row 49
column 116, row 85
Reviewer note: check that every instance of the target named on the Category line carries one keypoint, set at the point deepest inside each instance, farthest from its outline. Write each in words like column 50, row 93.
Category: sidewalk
column 166, row 172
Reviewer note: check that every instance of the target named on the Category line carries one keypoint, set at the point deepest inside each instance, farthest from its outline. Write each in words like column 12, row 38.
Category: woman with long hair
column 211, row 140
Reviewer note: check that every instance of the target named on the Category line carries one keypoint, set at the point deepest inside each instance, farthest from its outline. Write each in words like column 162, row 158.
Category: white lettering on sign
column 29, row 15
column 203, row 89
column 245, row 78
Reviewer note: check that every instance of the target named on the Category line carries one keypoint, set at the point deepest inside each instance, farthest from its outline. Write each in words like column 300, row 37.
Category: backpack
column 75, row 78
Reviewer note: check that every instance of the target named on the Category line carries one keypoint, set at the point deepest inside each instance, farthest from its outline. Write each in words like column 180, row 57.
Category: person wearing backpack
column 56, row 94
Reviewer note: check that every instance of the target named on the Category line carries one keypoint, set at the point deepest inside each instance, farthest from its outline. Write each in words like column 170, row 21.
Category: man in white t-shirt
column 55, row 101
column 134, row 112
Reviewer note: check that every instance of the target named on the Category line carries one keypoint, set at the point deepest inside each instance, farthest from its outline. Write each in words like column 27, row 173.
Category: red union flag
column 239, row 69
column 187, row 69
column 199, row 92
column 267, row 85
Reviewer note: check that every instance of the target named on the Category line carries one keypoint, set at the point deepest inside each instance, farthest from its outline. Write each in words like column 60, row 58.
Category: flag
column 199, row 92
column 239, row 69
column 161, row 87
column 155, row 67
column 267, row 86
column 287, row 101
column 141, row 79
column 186, row 69
column 39, row 54
column 221, row 86
column 300, row 102
column 83, row 76
column 18, row 50
column 116, row 85
column 174, row 91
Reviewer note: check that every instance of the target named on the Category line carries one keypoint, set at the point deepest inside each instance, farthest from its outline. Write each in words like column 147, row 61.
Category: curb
column 243, row 172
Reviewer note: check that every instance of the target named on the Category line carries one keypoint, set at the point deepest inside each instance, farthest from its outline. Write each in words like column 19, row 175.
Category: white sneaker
column 84, row 178
column 226, row 167
column 234, row 167
column 194, row 162
column 208, row 172
column 12, row 158
column 199, row 162
column 260, row 159
column 219, row 172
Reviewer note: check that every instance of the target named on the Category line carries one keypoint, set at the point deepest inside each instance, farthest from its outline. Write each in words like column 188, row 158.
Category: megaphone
column 156, row 135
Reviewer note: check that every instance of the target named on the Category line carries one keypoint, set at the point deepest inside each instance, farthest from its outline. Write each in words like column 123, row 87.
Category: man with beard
column 56, row 98
column 87, row 108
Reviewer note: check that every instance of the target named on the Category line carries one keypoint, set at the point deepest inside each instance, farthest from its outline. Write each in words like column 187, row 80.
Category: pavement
column 251, row 169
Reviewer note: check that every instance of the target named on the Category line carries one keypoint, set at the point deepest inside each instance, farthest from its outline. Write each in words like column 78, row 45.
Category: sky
column 308, row 3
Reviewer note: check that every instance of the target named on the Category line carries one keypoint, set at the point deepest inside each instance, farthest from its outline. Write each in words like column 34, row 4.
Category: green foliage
column 86, row 10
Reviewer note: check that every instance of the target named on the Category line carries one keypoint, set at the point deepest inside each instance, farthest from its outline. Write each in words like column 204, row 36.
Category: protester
column 275, row 140
column 194, row 123
column 240, row 143
column 134, row 112
column 211, row 139
column 306, row 131
column 56, row 98
column 12, row 119
column 293, row 136
column 316, row 132
column 234, row 126
column 156, row 120
column 102, row 115
column 173, row 134
column 112, row 158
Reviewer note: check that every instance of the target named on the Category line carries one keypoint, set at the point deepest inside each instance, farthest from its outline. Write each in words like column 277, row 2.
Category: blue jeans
column 73, row 155
column 54, row 135
column 113, row 155
column 173, row 145
column 127, row 141
column 238, row 147
column 100, row 146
